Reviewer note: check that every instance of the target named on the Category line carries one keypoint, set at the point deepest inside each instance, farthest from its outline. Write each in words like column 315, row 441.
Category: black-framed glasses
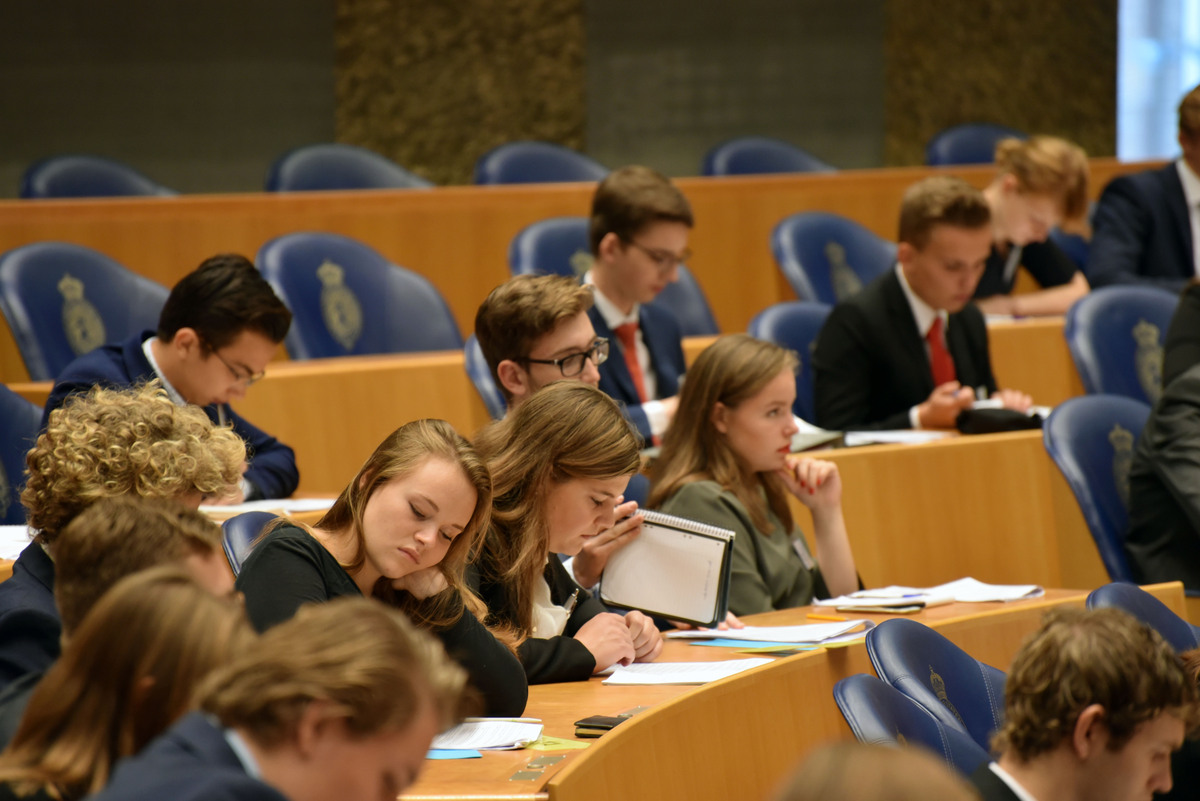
column 239, row 374
column 572, row 364
column 664, row 260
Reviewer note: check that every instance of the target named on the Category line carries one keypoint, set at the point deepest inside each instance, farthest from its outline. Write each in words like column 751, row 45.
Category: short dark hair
column 940, row 200
column 220, row 299
column 629, row 199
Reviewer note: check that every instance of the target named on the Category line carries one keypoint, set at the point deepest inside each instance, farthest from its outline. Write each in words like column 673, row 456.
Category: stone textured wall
column 1042, row 66
column 434, row 85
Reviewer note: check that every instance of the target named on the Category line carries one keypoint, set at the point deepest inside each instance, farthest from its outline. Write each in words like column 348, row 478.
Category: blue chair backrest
column 86, row 176
column 638, row 489
column 559, row 245
column 1116, row 334
column 795, row 325
column 971, row 143
column 535, row 163
column 757, row 155
column 481, row 377
column 1091, row 439
column 1182, row 635
column 334, row 166
column 880, row 714
column 63, row 300
column 240, row 533
column 21, row 421
column 949, row 683
column 348, row 300
column 826, row 257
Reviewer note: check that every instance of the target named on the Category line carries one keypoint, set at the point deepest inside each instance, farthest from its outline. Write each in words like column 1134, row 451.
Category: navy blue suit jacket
column 192, row 761
column 665, row 343
column 1141, row 233
column 30, row 627
column 870, row 365
column 272, row 468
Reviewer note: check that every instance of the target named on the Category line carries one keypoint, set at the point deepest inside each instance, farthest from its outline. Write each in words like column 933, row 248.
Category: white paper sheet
column 812, row 632
column 681, row 672
column 964, row 590
column 13, row 540
column 490, row 734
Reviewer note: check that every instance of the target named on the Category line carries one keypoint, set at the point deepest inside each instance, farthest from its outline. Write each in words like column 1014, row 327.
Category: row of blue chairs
column 930, row 693
column 347, row 167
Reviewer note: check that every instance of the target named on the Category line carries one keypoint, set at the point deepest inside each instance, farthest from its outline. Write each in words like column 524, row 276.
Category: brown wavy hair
column 131, row 441
column 730, row 371
column 1047, row 165
column 127, row 673
column 566, row 430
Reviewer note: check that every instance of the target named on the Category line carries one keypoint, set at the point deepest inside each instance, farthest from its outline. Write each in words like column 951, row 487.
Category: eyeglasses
column 664, row 260
column 572, row 364
column 238, row 373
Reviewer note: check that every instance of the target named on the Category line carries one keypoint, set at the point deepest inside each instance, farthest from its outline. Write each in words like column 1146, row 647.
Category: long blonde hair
column 127, row 673
column 567, row 430
column 732, row 370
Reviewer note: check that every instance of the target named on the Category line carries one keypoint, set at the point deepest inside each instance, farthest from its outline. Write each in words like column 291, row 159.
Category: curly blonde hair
column 124, row 442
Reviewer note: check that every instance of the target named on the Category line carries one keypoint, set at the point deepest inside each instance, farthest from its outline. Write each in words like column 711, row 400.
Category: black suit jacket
column 1141, row 233
column 29, row 624
column 990, row 786
column 870, row 361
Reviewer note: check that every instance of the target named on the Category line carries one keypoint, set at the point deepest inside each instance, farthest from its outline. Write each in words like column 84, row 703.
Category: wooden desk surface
column 735, row 738
column 458, row 237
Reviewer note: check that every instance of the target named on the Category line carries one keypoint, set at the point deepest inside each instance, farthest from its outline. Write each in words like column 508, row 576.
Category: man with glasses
column 221, row 325
column 638, row 234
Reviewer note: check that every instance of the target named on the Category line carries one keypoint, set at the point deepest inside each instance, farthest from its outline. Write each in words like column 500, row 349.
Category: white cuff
column 914, row 417
column 656, row 416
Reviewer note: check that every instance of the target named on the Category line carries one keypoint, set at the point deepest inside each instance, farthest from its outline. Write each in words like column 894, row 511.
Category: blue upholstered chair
column 971, row 143
column 560, row 245
column 19, row 424
column 794, row 325
column 1091, row 439
column 1182, row 635
column 86, row 176
column 957, row 689
column 63, row 300
column 240, row 533
column 536, row 163
column 757, row 155
column 1116, row 334
column 334, row 166
column 481, row 376
column 826, row 257
column 880, row 714
column 348, row 300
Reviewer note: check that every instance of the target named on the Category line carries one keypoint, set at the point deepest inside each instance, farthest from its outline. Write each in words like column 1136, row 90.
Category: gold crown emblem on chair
column 1148, row 359
column 845, row 281
column 581, row 262
column 1121, row 440
column 81, row 322
column 339, row 306
column 939, row 689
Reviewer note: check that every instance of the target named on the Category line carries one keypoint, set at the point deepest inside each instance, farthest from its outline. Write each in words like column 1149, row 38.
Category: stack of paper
column 897, row 598
column 809, row 633
column 681, row 672
column 13, row 540
column 490, row 734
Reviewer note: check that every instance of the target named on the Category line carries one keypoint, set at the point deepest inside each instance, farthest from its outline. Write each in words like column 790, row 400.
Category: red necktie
column 939, row 357
column 627, row 333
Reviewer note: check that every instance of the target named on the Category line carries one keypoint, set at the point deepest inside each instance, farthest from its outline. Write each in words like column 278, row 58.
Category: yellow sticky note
column 556, row 744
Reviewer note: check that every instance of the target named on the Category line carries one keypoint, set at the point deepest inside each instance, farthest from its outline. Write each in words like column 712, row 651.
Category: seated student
column 910, row 350
column 534, row 330
column 1041, row 181
column 725, row 462
column 111, row 539
column 400, row 531
column 1094, row 704
column 127, row 674
column 639, row 236
column 220, row 327
column 102, row 444
column 559, row 461
column 850, row 771
column 340, row 702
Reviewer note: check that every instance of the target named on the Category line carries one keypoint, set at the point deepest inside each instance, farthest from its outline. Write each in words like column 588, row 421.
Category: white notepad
column 676, row 568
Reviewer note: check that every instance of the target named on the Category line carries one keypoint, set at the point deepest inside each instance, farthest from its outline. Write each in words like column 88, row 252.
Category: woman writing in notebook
column 401, row 532
column 725, row 461
column 559, row 463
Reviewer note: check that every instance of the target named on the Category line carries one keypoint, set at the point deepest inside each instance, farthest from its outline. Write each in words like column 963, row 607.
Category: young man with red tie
column 639, row 237
column 910, row 350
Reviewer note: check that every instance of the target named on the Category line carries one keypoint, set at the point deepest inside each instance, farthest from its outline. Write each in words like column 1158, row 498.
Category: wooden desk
column 735, row 738
column 458, row 237
column 5, row 569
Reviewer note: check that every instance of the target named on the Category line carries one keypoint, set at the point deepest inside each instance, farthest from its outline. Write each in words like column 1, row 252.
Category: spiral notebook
column 676, row 568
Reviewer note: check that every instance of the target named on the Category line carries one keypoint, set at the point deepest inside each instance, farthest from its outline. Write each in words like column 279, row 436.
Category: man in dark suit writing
column 909, row 350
